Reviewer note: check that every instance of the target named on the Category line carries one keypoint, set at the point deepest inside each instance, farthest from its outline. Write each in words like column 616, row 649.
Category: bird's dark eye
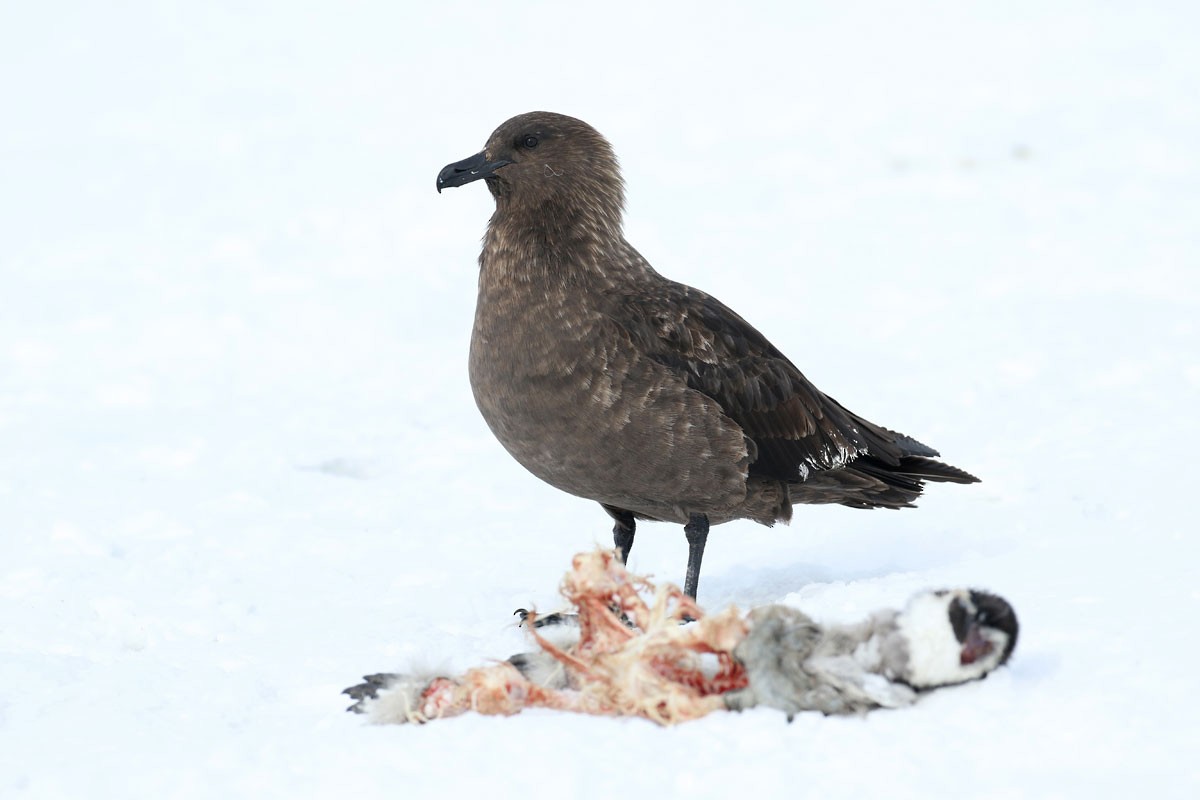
column 530, row 141
column 982, row 616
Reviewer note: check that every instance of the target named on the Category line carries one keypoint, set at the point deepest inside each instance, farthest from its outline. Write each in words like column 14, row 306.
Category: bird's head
column 955, row 636
column 543, row 159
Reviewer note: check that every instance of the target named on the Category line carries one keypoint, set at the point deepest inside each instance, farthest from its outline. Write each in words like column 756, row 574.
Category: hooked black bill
column 469, row 169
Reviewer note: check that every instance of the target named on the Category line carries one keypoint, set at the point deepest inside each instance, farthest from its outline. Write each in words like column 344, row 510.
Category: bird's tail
column 930, row 469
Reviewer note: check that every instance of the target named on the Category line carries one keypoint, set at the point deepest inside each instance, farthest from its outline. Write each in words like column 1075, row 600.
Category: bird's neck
column 556, row 245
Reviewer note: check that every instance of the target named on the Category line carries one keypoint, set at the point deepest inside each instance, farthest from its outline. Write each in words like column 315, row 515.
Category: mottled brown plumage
column 613, row 383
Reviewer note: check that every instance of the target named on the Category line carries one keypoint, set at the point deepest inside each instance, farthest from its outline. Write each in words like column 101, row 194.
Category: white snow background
column 240, row 464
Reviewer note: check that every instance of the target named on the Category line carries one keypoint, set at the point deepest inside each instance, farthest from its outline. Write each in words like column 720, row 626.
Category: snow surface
column 240, row 464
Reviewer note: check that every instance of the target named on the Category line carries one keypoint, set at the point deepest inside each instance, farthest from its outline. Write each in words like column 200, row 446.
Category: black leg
column 697, row 534
column 622, row 531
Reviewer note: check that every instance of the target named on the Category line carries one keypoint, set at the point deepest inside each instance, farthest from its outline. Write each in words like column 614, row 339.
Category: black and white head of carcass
column 955, row 636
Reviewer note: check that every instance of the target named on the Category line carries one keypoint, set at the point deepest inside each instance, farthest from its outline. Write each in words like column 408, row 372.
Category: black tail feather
column 928, row 469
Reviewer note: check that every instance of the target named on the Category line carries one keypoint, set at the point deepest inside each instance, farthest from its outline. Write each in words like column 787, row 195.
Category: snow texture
column 240, row 465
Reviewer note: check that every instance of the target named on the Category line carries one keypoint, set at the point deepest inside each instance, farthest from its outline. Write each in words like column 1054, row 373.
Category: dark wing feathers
column 798, row 430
